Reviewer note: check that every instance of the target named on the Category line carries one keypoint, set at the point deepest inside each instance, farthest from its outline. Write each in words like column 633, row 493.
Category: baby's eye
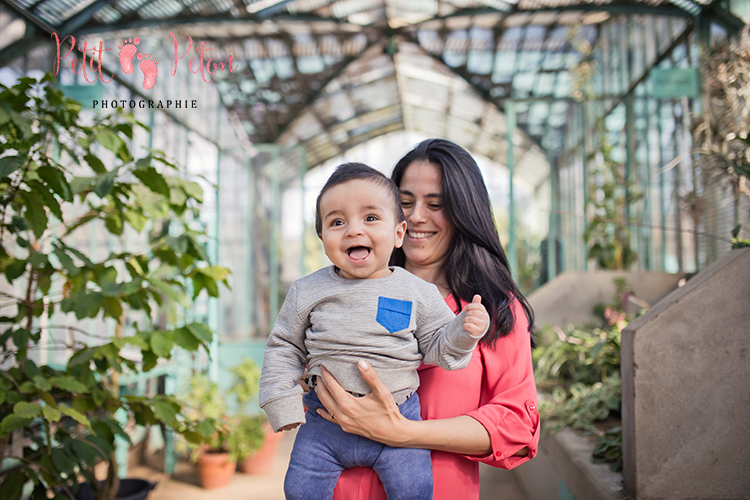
column 337, row 222
column 371, row 218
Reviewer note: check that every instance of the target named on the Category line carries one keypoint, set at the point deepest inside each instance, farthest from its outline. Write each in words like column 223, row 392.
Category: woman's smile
column 420, row 235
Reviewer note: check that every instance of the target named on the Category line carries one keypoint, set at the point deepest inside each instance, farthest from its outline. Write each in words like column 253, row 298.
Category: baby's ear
column 400, row 233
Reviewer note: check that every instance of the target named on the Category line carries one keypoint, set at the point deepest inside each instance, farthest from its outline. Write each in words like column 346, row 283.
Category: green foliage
column 581, row 406
column 202, row 397
column 577, row 355
column 738, row 242
column 57, row 423
column 721, row 129
column 578, row 373
column 610, row 195
column 246, row 380
column 240, row 436
column 582, row 74
column 248, row 435
column 609, row 448
column 528, row 252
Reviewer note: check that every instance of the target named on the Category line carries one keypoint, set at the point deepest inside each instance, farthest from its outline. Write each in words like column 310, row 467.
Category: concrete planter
column 685, row 379
column 563, row 470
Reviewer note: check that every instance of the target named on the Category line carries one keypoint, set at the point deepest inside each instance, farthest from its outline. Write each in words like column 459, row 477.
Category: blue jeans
column 322, row 451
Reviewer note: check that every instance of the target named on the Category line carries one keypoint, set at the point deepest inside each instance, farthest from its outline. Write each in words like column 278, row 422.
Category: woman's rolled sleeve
column 508, row 406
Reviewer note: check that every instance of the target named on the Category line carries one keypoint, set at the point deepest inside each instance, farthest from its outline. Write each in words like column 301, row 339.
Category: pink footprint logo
column 127, row 51
column 148, row 66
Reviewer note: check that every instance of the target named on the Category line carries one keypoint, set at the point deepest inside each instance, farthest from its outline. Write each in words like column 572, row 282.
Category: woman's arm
column 376, row 416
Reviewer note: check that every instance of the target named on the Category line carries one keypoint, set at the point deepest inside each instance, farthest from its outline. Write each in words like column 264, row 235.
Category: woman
column 486, row 412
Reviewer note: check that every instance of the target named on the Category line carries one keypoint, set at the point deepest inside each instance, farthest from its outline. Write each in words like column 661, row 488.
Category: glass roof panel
column 108, row 15
column 331, row 73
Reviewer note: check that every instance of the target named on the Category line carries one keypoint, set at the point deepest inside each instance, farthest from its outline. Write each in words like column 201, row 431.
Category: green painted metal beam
column 630, row 165
column 585, row 182
column 274, row 243
column 251, row 189
column 553, row 230
column 214, row 317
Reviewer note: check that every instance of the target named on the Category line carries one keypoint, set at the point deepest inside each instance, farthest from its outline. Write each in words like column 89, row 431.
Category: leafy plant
column 578, row 372
column 578, row 355
column 203, row 398
column 246, row 380
column 738, row 242
column 240, row 436
column 59, row 176
column 581, row 406
column 248, row 436
column 610, row 195
column 722, row 128
column 250, row 430
column 609, row 448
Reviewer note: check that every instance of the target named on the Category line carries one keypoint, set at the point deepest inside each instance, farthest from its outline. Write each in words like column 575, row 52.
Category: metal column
column 213, row 319
column 274, row 243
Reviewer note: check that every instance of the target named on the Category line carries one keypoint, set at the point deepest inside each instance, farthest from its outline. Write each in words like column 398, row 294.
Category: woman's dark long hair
column 476, row 262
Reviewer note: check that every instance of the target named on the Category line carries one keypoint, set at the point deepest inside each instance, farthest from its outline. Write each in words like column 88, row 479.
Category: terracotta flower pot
column 262, row 461
column 215, row 470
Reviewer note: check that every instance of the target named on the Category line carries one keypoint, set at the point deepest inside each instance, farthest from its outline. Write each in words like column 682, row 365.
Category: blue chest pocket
column 393, row 314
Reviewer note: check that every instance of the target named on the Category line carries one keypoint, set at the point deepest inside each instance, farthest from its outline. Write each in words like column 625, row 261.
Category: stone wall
column 571, row 296
column 686, row 389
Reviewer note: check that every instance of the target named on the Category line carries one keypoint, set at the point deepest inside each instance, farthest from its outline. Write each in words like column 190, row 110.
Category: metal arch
column 630, row 8
column 136, row 24
column 482, row 93
column 26, row 44
column 298, row 77
column 133, row 22
column 335, row 74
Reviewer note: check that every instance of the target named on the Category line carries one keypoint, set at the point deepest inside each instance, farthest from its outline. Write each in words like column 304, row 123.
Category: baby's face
column 359, row 228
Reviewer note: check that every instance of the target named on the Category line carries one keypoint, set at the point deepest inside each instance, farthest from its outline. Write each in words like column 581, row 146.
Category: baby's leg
column 406, row 473
column 321, row 452
column 313, row 471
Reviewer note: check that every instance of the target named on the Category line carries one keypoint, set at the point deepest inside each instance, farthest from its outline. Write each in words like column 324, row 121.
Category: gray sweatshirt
column 394, row 323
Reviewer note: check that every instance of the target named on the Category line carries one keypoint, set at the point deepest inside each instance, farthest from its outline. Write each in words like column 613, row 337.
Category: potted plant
column 258, row 446
column 59, row 177
column 256, row 442
column 215, row 459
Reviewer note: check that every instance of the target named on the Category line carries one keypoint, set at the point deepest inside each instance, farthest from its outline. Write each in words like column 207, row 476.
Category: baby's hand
column 476, row 319
column 289, row 427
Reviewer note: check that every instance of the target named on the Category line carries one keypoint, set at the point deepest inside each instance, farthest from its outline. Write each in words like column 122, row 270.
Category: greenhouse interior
column 161, row 161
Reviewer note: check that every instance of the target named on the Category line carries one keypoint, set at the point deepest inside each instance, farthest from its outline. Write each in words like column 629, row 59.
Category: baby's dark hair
column 354, row 171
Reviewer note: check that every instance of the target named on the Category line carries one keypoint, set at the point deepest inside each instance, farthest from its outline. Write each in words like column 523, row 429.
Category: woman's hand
column 374, row 416
column 476, row 319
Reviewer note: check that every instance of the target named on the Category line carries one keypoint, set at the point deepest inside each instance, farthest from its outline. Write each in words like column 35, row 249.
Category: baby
column 359, row 308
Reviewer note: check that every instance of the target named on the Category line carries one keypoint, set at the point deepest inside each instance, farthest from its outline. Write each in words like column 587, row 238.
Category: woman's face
column 429, row 235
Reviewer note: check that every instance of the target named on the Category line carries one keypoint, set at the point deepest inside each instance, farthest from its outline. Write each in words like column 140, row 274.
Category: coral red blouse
column 497, row 389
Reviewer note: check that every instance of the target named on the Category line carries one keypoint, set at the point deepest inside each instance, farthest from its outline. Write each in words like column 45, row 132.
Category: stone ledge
column 570, row 455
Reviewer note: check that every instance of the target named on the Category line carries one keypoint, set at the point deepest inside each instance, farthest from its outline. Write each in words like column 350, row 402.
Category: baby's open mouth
column 358, row 253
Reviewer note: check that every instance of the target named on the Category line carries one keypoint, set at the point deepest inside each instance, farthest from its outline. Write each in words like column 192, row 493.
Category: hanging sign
column 675, row 82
